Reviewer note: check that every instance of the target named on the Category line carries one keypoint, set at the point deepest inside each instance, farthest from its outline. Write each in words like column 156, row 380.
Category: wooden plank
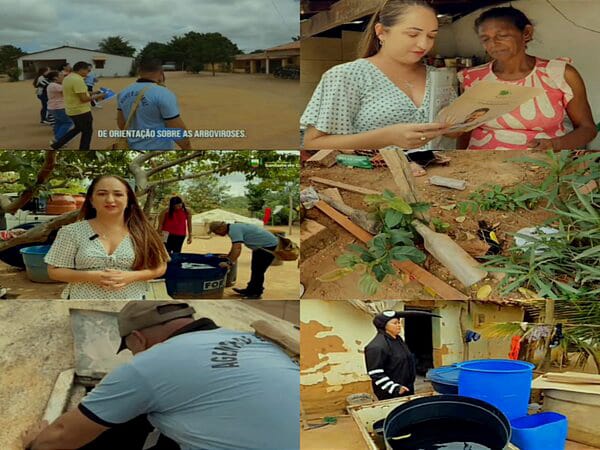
column 573, row 378
column 288, row 339
column 342, row 220
column 325, row 158
column 442, row 289
column 339, row 13
column 347, row 187
column 400, row 168
column 60, row 395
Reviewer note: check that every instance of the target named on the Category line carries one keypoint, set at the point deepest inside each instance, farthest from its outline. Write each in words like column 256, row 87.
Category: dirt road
column 267, row 108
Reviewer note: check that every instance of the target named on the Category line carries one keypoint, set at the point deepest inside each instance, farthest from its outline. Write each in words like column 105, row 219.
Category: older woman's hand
column 540, row 144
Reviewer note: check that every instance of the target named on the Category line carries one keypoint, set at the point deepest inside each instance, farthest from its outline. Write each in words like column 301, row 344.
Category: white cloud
column 36, row 25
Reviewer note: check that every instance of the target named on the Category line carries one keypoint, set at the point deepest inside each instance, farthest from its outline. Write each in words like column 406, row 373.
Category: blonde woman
column 383, row 98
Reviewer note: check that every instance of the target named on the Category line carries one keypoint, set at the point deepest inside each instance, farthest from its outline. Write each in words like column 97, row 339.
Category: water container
column 446, row 421
column 186, row 279
column 444, row 379
column 504, row 383
column 543, row 431
column 231, row 275
column 60, row 204
column 37, row 269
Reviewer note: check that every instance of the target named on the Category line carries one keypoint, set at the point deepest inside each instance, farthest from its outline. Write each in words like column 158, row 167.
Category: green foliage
column 206, row 193
column 116, row 45
column 439, row 225
column 8, row 59
column 393, row 243
column 13, row 74
column 562, row 265
column 498, row 198
column 238, row 205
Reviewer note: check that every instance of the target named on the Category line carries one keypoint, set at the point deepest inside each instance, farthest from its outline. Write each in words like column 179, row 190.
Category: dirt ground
column 267, row 108
column 345, row 435
column 281, row 281
column 36, row 345
column 477, row 168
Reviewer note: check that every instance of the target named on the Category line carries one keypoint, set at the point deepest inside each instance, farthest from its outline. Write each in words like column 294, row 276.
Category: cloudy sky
column 35, row 25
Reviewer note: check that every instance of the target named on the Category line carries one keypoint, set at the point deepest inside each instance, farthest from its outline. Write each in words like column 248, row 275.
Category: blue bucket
column 444, row 379
column 37, row 269
column 190, row 275
column 504, row 383
column 543, row 431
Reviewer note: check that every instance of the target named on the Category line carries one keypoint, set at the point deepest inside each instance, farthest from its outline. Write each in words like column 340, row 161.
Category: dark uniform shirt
column 391, row 365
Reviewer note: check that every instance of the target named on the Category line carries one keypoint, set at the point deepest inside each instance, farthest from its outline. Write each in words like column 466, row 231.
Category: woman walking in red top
column 176, row 220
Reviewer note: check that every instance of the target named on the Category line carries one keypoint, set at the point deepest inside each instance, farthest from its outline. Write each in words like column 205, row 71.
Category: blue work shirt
column 214, row 389
column 252, row 236
column 158, row 105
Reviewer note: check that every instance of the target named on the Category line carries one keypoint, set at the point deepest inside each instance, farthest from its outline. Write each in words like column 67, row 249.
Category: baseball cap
column 137, row 315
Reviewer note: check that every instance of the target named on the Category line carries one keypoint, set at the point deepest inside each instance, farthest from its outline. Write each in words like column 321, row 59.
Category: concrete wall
column 114, row 65
column 554, row 37
column 334, row 334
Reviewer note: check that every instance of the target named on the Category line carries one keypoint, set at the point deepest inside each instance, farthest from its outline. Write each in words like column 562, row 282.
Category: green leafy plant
column 393, row 243
column 498, row 198
column 563, row 265
column 439, row 225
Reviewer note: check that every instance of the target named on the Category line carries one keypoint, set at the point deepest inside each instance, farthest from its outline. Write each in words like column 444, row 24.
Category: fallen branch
column 41, row 232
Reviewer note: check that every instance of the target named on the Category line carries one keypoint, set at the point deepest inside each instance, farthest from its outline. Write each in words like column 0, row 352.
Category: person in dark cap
column 390, row 363
column 199, row 385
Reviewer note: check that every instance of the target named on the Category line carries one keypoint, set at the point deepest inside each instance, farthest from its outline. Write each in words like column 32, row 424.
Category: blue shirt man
column 157, row 110
column 260, row 241
column 201, row 386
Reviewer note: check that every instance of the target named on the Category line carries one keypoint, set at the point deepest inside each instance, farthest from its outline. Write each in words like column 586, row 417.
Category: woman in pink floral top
column 559, row 119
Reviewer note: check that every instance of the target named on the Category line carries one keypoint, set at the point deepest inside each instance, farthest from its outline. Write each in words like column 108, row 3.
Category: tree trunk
column 41, row 232
column 151, row 194
column 213, row 69
column 42, row 178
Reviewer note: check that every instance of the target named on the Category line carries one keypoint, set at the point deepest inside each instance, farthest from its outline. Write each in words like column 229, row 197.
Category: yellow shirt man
column 73, row 85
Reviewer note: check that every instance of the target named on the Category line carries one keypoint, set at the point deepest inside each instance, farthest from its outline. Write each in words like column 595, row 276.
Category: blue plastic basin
column 444, row 379
column 543, row 431
column 504, row 383
column 37, row 269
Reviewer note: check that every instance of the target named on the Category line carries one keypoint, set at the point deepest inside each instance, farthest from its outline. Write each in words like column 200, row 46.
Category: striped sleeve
column 383, row 384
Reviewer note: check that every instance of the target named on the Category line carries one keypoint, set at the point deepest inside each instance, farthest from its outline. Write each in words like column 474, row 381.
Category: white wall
column 554, row 37
column 114, row 65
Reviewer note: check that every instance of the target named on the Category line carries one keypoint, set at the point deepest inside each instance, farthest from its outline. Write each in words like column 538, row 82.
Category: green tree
column 8, row 57
column 155, row 50
column 116, row 45
column 206, row 193
column 256, row 193
column 238, row 205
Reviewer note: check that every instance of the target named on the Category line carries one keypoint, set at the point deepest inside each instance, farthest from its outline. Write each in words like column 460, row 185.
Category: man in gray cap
column 202, row 386
column 262, row 243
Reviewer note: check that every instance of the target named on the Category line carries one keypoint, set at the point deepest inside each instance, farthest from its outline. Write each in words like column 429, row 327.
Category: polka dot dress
column 73, row 249
column 357, row 96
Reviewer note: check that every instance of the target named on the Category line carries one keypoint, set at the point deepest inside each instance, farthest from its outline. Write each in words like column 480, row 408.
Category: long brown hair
column 150, row 252
column 388, row 14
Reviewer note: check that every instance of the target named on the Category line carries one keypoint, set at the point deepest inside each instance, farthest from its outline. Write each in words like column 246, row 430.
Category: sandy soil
column 478, row 168
column 281, row 282
column 267, row 108
column 345, row 435
column 36, row 343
